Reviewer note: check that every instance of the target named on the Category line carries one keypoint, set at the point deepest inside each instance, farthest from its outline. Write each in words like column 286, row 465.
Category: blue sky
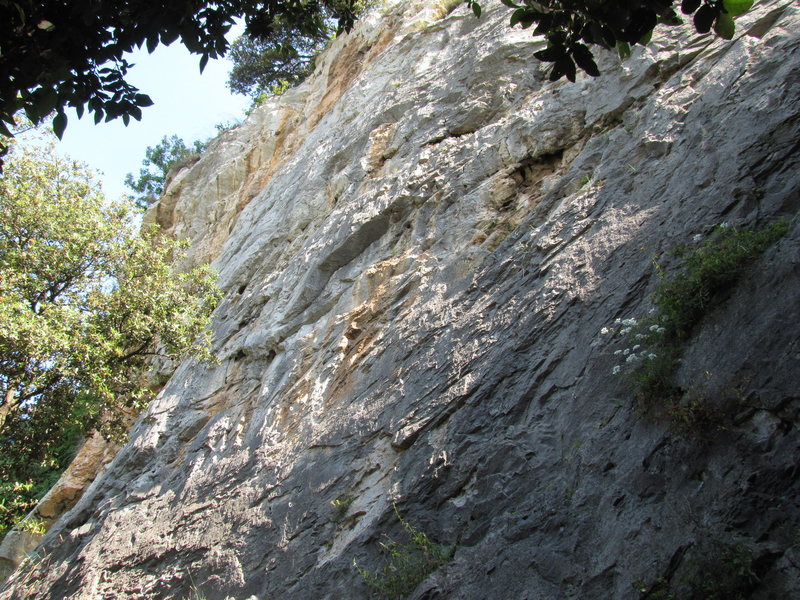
column 186, row 103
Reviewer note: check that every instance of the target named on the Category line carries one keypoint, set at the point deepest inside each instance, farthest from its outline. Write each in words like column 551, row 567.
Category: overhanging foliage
column 56, row 54
column 571, row 26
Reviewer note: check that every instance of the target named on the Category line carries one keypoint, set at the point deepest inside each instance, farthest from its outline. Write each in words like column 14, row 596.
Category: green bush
column 31, row 470
column 709, row 270
column 406, row 565
column 656, row 342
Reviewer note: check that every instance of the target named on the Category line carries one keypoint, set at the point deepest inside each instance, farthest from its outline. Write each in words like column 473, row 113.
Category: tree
column 569, row 25
column 55, row 54
column 86, row 302
column 262, row 66
column 159, row 160
column 283, row 56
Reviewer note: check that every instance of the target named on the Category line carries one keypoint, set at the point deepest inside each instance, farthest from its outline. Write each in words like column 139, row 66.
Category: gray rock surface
column 419, row 247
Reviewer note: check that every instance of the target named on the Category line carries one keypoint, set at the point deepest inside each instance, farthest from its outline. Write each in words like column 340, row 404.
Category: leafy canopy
column 86, row 303
column 571, row 26
column 55, row 54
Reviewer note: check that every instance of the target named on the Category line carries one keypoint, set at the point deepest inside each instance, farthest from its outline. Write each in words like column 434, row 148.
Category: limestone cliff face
column 419, row 247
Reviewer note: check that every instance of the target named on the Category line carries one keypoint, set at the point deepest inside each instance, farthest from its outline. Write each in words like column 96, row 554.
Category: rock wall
column 419, row 247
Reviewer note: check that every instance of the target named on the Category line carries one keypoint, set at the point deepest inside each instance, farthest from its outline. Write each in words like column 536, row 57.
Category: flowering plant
column 655, row 342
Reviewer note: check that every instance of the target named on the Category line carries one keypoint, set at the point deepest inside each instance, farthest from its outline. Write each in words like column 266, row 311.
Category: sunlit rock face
column 419, row 247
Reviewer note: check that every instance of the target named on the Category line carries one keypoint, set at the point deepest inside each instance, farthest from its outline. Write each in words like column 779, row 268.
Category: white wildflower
column 632, row 358
column 626, row 351
column 604, row 331
column 617, row 352
column 653, row 328
column 724, row 225
column 625, row 331
column 697, row 237
column 616, row 370
column 636, row 347
column 639, row 336
column 629, row 322
column 651, row 356
column 660, row 330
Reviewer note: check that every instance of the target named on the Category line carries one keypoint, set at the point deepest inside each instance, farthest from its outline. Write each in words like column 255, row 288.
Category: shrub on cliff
column 86, row 301
column 657, row 341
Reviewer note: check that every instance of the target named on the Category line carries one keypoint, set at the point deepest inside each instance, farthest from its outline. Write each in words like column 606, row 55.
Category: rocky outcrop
column 419, row 248
column 90, row 459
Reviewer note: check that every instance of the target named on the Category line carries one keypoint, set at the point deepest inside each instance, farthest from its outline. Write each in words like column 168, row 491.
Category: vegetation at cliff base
column 86, row 302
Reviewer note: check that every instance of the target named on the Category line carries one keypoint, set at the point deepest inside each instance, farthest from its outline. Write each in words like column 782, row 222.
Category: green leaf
column 704, row 18
column 567, row 65
column 203, row 62
column 689, row 6
column 550, row 54
column 152, row 43
column 476, row 9
column 524, row 17
column 46, row 102
column 583, row 57
column 736, row 7
column 142, row 100
column 724, row 26
column 623, row 49
column 59, row 124
column 169, row 36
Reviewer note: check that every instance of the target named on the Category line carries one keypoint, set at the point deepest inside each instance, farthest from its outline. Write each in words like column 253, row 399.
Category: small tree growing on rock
column 169, row 153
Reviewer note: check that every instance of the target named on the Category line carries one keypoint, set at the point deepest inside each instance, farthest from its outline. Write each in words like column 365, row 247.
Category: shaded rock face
column 419, row 248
